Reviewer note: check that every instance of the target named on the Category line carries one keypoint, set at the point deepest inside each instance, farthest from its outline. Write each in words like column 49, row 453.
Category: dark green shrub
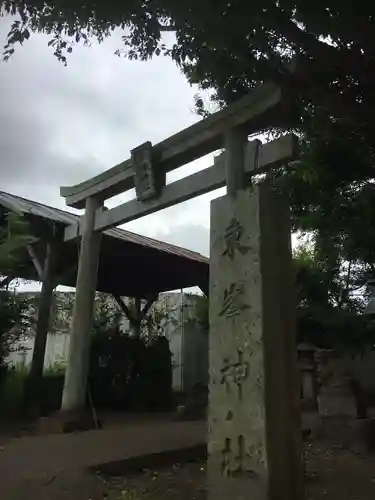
column 130, row 373
column 12, row 393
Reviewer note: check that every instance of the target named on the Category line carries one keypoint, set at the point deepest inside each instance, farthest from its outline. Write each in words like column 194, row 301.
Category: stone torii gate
column 254, row 434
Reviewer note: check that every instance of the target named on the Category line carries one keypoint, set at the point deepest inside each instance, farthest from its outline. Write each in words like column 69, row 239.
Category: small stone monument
column 309, row 387
column 336, row 398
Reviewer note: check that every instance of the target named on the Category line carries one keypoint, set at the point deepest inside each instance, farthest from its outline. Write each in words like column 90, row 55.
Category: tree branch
column 124, row 308
column 6, row 281
column 36, row 261
column 147, row 306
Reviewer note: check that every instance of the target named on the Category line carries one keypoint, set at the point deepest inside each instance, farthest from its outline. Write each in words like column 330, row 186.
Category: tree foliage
column 328, row 311
column 15, row 234
column 14, row 308
column 198, row 312
column 331, row 190
column 331, row 195
column 106, row 318
column 14, row 322
column 155, row 323
column 232, row 46
column 328, row 304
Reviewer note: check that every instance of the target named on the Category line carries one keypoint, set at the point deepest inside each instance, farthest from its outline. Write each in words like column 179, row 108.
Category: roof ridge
column 160, row 241
column 27, row 200
column 112, row 232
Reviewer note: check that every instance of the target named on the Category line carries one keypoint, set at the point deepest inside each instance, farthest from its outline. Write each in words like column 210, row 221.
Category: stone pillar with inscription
column 254, row 435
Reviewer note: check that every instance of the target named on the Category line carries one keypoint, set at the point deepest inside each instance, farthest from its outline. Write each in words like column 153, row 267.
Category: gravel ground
column 333, row 473
column 55, row 467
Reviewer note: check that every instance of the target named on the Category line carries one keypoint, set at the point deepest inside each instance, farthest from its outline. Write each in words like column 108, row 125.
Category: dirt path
column 55, row 466
column 334, row 474
column 340, row 474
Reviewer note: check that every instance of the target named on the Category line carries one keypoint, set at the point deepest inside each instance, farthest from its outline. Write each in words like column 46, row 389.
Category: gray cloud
column 59, row 126
column 84, row 118
column 192, row 236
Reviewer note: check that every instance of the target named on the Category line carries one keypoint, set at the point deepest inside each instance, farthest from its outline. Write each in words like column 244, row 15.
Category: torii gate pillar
column 74, row 394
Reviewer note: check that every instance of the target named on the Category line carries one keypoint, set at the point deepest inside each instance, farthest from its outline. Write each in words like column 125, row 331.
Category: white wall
column 195, row 357
column 188, row 345
column 56, row 350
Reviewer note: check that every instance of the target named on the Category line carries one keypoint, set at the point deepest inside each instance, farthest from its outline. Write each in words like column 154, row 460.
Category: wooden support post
column 47, row 275
column 74, row 394
column 124, row 308
column 148, row 305
column 136, row 324
column 135, row 314
column 36, row 261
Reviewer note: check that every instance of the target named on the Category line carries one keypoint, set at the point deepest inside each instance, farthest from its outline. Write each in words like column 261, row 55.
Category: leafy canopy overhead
column 233, row 46
column 230, row 46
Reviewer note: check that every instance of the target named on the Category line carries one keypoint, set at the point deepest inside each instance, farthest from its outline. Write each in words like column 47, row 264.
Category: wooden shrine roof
column 130, row 264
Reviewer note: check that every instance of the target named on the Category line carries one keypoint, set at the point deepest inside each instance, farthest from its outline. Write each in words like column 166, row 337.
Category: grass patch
column 12, row 392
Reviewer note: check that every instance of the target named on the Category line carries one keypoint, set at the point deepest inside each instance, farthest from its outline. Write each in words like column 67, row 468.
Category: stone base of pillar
column 68, row 421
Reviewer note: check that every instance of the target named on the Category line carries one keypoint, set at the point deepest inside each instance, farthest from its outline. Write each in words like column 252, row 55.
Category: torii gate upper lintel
column 183, row 147
column 226, row 129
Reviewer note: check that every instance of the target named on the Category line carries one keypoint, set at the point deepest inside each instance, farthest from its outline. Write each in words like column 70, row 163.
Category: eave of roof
column 156, row 266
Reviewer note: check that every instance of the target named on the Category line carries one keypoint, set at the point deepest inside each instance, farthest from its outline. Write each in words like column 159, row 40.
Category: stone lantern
column 309, row 385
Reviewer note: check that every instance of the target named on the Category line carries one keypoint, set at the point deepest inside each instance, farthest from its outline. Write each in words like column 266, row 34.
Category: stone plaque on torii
column 254, row 435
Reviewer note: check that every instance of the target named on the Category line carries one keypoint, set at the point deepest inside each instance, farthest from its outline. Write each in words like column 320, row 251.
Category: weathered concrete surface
column 254, row 440
column 31, row 466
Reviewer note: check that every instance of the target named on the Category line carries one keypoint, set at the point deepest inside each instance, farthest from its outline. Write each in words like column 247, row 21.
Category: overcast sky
column 61, row 125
